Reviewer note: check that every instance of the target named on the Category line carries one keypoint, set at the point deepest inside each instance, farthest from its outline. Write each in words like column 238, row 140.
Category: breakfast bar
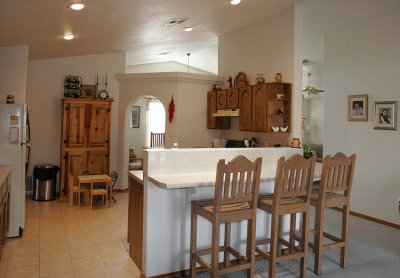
column 160, row 197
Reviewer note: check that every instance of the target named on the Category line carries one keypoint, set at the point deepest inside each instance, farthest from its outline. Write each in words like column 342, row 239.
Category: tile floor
column 65, row 242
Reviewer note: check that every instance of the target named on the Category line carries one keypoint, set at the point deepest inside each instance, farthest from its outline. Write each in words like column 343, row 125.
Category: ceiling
column 136, row 27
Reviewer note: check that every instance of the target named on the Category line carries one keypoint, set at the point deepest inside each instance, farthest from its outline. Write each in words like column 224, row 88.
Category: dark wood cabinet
column 221, row 99
column 5, row 174
column 215, row 122
column 259, row 108
column 232, row 98
column 85, row 139
column 245, row 108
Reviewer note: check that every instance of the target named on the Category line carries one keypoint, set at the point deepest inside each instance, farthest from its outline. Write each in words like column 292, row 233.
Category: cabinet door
column 211, row 108
column 245, row 108
column 221, row 99
column 259, row 108
column 232, row 101
column 75, row 125
column 97, row 162
column 99, row 118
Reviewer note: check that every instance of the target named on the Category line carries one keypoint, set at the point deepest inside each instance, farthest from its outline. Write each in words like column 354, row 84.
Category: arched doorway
column 143, row 115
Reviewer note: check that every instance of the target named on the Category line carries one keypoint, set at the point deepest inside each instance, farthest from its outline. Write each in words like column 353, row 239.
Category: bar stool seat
column 235, row 199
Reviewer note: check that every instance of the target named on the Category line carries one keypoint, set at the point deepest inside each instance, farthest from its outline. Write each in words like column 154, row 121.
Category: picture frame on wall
column 358, row 108
column 385, row 115
column 135, row 117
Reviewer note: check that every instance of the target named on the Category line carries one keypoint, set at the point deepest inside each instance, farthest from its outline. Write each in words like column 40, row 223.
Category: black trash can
column 45, row 181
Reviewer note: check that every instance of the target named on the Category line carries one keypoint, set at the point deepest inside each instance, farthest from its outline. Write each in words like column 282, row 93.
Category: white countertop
column 178, row 181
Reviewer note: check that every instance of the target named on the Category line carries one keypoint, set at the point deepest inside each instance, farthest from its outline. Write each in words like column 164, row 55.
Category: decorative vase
column 278, row 77
column 260, row 78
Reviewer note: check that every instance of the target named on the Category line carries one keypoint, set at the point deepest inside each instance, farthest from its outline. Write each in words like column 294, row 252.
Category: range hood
column 226, row 113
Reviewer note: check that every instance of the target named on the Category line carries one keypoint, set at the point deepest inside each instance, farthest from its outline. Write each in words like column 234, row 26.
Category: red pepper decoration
column 171, row 109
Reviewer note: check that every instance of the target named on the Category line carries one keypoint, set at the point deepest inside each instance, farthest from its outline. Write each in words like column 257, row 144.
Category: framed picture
column 135, row 117
column 358, row 108
column 385, row 115
column 89, row 91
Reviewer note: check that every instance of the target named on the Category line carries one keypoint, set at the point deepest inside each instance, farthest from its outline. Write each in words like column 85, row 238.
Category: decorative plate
column 240, row 80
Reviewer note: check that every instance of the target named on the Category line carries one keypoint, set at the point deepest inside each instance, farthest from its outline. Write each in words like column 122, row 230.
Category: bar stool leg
column 279, row 251
column 345, row 236
column 304, row 244
column 193, row 243
column 215, row 248
column 227, row 244
column 318, row 239
column 273, row 245
column 292, row 240
column 251, row 246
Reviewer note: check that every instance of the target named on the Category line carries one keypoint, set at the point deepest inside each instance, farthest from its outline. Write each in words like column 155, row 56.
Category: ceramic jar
column 278, row 77
column 260, row 79
column 295, row 143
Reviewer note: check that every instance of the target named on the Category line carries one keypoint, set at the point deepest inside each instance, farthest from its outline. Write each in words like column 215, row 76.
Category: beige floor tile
column 31, row 271
column 82, row 249
column 55, row 268
column 98, row 273
column 114, row 246
column 87, row 264
column 23, row 259
column 59, row 275
column 52, row 245
column 54, row 256
column 25, row 248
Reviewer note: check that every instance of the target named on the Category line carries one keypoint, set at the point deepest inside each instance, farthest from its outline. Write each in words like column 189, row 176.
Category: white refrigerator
column 14, row 139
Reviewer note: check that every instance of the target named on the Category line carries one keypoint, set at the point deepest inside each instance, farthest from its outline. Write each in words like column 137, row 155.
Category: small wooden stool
column 100, row 191
column 78, row 189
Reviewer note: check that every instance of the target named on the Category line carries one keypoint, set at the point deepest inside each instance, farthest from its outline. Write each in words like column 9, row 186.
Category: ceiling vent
column 175, row 21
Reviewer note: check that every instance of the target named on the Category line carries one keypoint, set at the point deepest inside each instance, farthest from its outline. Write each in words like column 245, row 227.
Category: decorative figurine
column 278, row 77
column 260, row 79
column 230, row 81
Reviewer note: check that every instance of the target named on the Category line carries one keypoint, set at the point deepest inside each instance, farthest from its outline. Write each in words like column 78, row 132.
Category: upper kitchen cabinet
column 232, row 98
column 244, row 98
column 215, row 122
column 259, row 107
column 85, row 139
column 221, row 99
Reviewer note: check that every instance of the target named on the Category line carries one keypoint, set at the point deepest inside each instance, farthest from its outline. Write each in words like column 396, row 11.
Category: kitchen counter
column 160, row 198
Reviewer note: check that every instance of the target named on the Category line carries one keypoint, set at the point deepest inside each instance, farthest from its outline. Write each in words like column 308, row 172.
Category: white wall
column 13, row 73
column 171, row 66
column 189, row 126
column 268, row 47
column 45, row 92
column 364, row 58
column 136, row 137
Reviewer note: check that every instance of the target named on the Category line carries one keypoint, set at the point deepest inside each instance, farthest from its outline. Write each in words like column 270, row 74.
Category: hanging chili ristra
column 171, row 109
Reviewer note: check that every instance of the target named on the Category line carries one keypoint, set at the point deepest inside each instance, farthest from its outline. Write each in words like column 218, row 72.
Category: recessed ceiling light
column 164, row 53
column 235, row 2
column 68, row 37
column 188, row 29
column 77, row 5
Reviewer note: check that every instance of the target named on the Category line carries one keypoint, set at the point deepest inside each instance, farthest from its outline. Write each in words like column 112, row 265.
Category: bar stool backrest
column 294, row 178
column 237, row 182
column 337, row 173
column 157, row 140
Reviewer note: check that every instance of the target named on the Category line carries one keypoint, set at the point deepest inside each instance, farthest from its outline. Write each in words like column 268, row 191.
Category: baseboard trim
column 121, row 190
column 186, row 272
column 370, row 218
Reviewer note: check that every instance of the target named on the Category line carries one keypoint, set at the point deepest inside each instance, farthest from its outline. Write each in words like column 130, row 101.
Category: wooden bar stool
column 157, row 140
column 334, row 191
column 292, row 194
column 235, row 199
